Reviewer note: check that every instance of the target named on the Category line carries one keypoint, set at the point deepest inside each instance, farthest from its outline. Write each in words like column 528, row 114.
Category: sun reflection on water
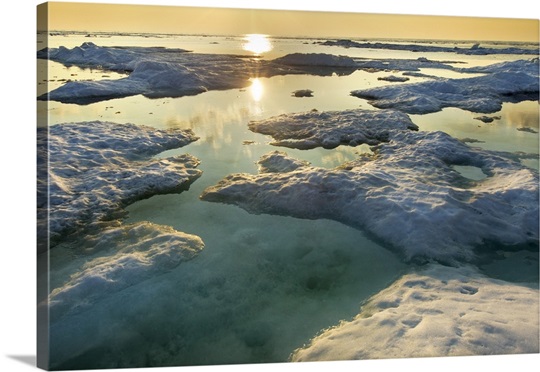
column 256, row 89
column 257, row 43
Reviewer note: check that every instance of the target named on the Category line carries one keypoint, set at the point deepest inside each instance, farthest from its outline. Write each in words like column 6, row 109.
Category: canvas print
column 235, row 186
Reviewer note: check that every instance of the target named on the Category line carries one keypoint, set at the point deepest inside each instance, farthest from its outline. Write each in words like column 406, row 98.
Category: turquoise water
column 264, row 285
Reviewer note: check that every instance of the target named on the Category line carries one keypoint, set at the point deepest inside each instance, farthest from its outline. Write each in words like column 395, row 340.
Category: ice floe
column 437, row 311
column 394, row 79
column 410, row 66
column 97, row 168
column 505, row 82
column 487, row 119
column 107, row 58
column 407, row 194
column 316, row 59
column 125, row 256
column 475, row 49
column 152, row 71
column 527, row 129
column 160, row 72
column 302, row 93
column 330, row 129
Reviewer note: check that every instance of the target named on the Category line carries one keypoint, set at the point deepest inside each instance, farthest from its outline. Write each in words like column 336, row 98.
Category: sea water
column 263, row 285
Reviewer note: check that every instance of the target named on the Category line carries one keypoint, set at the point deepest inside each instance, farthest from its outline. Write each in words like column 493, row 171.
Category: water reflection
column 256, row 89
column 257, row 43
column 520, row 117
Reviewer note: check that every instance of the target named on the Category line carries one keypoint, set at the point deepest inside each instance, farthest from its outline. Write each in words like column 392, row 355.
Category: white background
column 17, row 180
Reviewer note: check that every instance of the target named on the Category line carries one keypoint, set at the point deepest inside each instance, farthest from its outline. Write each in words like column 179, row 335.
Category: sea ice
column 475, row 49
column 330, row 129
column 123, row 256
column 487, row 119
column 154, row 72
column 411, row 66
column 394, row 79
column 316, row 59
column 302, row 93
column 160, row 72
column 407, row 194
column 504, row 82
column 107, row 58
column 436, row 311
column 97, row 168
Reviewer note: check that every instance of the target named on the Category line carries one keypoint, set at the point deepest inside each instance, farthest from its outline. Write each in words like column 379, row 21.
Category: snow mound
column 331, row 129
column 316, row 59
column 438, row 311
column 97, row 168
column 133, row 253
column 506, row 82
column 407, row 194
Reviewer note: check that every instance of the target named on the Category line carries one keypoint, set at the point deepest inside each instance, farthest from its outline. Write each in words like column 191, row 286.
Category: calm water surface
column 263, row 285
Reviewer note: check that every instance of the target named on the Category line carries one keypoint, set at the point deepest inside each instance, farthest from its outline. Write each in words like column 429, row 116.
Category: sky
column 211, row 20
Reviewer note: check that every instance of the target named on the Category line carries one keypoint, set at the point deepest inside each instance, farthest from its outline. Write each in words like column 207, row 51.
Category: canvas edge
column 42, row 274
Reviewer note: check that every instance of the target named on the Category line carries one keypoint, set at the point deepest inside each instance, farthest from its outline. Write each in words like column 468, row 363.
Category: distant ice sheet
column 474, row 49
column 437, row 311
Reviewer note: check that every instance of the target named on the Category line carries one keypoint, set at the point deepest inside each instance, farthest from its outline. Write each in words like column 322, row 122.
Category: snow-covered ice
column 505, row 82
column 316, row 59
column 160, row 72
column 407, row 194
column 394, row 79
column 330, row 129
column 108, row 58
column 154, row 72
column 410, row 66
column 122, row 256
column 97, row 168
column 436, row 311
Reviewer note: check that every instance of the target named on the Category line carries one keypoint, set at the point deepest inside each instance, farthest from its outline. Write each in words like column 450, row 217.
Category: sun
column 257, row 43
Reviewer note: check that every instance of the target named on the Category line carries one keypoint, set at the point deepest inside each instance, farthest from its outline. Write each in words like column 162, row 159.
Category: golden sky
column 190, row 20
